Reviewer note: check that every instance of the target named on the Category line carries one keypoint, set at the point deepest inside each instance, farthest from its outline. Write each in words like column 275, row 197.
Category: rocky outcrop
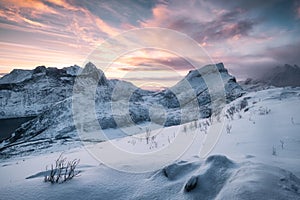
column 25, row 93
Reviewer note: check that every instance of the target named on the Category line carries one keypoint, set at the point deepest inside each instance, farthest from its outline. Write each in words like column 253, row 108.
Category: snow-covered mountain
column 256, row 157
column 46, row 92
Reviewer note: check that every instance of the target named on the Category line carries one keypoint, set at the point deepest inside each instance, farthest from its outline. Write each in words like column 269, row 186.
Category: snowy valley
column 255, row 155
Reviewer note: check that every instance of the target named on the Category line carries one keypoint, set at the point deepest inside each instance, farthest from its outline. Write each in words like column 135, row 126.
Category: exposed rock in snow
column 211, row 178
column 72, row 70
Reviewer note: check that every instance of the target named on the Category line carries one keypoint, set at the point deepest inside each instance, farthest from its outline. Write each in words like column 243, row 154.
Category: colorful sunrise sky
column 245, row 35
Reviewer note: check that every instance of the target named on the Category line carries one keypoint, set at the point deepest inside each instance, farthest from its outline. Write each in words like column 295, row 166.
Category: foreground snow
column 215, row 178
column 262, row 160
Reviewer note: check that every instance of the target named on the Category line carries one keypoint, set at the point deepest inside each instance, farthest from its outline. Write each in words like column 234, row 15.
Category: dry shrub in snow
column 62, row 170
column 228, row 128
column 263, row 111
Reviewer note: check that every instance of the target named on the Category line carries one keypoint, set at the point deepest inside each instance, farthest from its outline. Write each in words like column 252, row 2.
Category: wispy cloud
column 61, row 32
column 156, row 64
column 203, row 26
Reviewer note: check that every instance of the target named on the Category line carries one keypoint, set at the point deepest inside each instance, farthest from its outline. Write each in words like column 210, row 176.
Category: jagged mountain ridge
column 25, row 93
column 57, row 122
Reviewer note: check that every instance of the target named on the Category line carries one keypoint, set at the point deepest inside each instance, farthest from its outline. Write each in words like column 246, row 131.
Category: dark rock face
column 191, row 184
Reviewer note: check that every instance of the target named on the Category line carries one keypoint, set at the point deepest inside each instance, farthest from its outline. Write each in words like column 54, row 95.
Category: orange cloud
column 15, row 12
column 65, row 5
column 35, row 5
column 58, row 36
column 104, row 27
column 160, row 16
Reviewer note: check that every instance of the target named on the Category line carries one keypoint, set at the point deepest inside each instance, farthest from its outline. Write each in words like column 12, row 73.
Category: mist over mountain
column 281, row 76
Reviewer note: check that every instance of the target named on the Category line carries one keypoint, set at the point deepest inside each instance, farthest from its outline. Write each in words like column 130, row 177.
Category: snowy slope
column 270, row 122
column 250, row 170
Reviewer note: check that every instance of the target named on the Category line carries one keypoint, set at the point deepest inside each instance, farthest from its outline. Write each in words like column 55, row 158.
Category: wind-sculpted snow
column 217, row 177
column 48, row 94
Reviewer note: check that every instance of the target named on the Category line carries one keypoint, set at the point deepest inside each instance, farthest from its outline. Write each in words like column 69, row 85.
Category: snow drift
column 217, row 177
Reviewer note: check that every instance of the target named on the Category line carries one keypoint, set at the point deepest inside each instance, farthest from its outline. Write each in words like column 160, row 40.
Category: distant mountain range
column 286, row 75
column 46, row 94
column 280, row 76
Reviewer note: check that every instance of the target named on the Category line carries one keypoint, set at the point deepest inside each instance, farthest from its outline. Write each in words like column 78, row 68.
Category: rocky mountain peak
column 90, row 70
column 211, row 68
column 40, row 69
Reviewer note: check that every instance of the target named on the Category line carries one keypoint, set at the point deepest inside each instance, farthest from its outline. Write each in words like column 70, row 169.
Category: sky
column 247, row 36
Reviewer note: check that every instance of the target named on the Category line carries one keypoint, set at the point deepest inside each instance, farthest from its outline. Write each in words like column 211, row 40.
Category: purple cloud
column 156, row 64
column 225, row 26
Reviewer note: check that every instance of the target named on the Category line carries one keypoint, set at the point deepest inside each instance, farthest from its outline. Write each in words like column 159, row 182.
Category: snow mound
column 210, row 178
column 178, row 169
column 258, row 181
column 221, row 178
